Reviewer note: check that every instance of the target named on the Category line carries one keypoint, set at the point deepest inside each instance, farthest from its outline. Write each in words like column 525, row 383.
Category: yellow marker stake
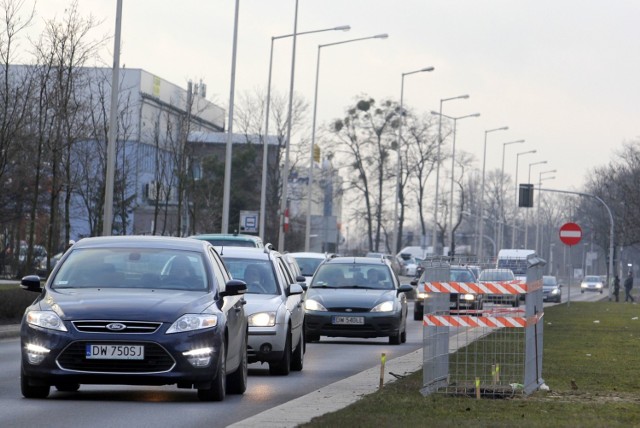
column 383, row 360
column 478, row 388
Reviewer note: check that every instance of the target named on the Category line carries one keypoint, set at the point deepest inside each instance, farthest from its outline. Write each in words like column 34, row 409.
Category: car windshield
column 372, row 276
column 461, row 275
column 549, row 281
column 517, row 266
column 258, row 274
column 152, row 268
column 496, row 275
column 591, row 279
column 308, row 266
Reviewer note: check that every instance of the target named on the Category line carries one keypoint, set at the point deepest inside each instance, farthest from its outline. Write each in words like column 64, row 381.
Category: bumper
column 164, row 362
column 375, row 324
column 266, row 344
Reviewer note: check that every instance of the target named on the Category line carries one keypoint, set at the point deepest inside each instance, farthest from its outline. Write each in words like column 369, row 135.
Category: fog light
column 265, row 348
column 199, row 357
column 35, row 353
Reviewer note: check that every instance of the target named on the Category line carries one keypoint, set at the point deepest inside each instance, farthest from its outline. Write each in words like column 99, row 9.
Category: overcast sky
column 562, row 75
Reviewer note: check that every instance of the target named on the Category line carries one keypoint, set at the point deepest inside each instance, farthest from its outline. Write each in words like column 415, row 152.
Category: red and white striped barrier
column 485, row 287
column 471, row 321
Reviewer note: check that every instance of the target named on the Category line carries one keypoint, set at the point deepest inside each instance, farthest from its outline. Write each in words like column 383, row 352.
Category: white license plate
column 348, row 320
column 114, row 352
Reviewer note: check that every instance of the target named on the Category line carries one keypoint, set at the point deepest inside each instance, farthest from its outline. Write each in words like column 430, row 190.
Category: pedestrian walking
column 616, row 287
column 628, row 285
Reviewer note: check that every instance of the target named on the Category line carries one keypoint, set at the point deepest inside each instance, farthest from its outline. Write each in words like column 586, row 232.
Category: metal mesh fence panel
column 487, row 349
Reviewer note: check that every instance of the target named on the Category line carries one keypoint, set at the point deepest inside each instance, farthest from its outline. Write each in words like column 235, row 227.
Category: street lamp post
column 540, row 178
column 265, row 152
column 107, row 221
column 501, row 228
column 526, row 214
column 481, row 210
column 226, row 191
column 285, row 172
column 513, row 236
column 453, row 162
column 434, row 233
column 396, row 218
column 307, row 235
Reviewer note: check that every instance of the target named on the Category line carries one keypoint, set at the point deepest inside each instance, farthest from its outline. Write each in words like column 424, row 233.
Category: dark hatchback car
column 460, row 303
column 136, row 310
column 356, row 297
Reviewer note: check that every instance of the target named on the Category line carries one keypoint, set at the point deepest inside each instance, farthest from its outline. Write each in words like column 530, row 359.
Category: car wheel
column 516, row 302
column 297, row 362
column 68, row 387
column 237, row 381
column 417, row 315
column 217, row 391
column 283, row 367
column 582, row 291
column 31, row 391
column 403, row 335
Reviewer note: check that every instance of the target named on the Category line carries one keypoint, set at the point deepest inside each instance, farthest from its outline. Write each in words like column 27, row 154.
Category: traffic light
column 525, row 196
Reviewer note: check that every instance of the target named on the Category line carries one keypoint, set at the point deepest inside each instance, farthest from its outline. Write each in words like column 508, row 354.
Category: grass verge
column 595, row 345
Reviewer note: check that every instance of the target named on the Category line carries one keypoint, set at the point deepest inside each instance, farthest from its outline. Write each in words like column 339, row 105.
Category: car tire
column 403, row 335
column 582, row 291
column 297, row 361
column 217, row 391
column 417, row 315
column 516, row 302
column 237, row 381
column 31, row 391
column 395, row 339
column 283, row 367
column 68, row 387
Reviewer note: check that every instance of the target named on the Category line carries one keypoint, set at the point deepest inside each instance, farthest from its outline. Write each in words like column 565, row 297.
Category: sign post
column 570, row 235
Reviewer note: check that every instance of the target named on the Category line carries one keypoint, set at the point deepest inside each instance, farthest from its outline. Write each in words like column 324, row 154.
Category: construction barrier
column 489, row 351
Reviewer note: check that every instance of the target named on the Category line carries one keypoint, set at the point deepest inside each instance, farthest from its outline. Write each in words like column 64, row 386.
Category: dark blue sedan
column 136, row 311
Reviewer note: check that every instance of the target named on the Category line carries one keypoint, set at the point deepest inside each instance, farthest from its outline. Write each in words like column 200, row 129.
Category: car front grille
column 156, row 360
column 120, row 327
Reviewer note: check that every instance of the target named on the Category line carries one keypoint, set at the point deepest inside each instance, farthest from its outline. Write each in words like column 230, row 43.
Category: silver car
column 274, row 307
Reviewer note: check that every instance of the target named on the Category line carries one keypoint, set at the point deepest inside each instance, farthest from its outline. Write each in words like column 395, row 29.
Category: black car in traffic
column 136, row 310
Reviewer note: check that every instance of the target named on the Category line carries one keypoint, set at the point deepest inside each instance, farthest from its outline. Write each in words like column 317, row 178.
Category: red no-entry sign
column 570, row 233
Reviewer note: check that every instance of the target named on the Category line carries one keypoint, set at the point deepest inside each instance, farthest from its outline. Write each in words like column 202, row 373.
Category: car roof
column 310, row 255
column 133, row 241
column 246, row 252
column 357, row 260
column 229, row 237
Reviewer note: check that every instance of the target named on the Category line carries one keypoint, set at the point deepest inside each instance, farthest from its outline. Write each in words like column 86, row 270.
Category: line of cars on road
column 473, row 303
column 137, row 310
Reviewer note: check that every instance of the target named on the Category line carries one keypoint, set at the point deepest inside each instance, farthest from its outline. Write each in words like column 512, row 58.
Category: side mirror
column 300, row 279
column 414, row 282
column 31, row 283
column 234, row 287
column 295, row 289
column 405, row 288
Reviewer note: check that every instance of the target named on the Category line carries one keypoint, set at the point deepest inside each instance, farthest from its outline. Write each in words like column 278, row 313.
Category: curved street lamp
column 307, row 234
column 484, row 161
column 265, row 152
column 513, row 235
column 501, row 227
column 434, row 233
column 526, row 213
column 453, row 163
column 396, row 218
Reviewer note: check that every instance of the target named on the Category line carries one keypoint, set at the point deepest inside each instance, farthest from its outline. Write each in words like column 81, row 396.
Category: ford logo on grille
column 116, row 326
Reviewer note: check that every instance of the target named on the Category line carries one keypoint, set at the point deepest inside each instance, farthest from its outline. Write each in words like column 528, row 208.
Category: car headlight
column 313, row 305
column 190, row 322
column 422, row 296
column 599, row 285
column 468, row 297
column 262, row 319
column 555, row 291
column 46, row 319
column 384, row 307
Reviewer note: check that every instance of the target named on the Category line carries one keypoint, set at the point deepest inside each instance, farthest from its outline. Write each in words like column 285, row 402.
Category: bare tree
column 365, row 136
